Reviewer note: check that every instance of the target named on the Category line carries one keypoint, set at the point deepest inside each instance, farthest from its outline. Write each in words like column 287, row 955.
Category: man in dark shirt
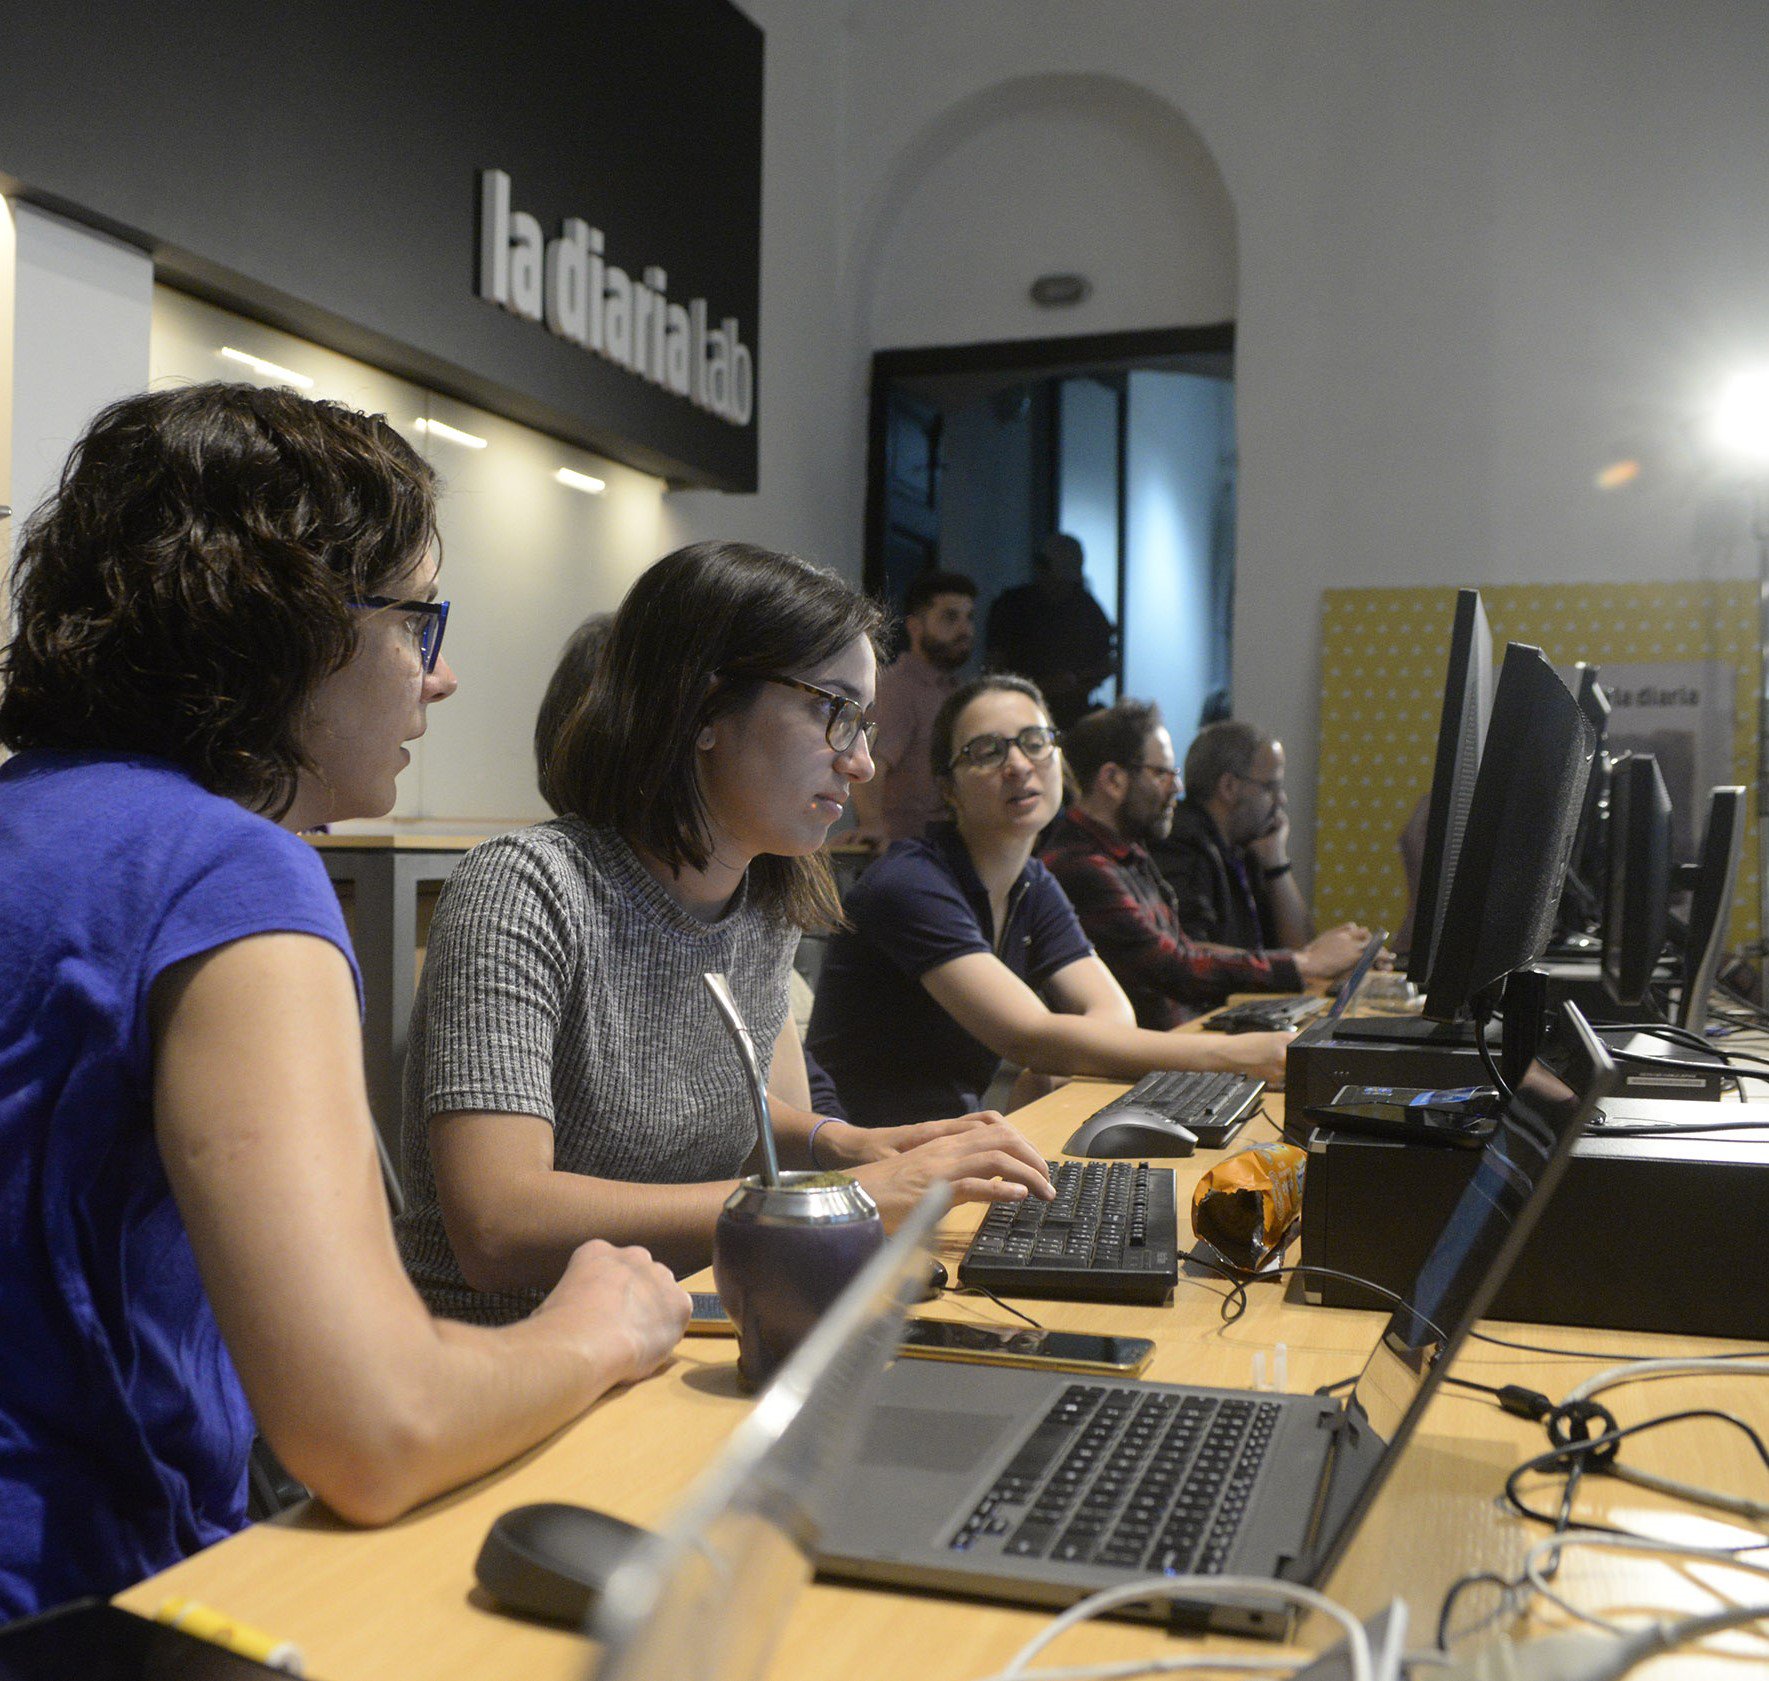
column 1122, row 760
column 1053, row 631
column 1227, row 857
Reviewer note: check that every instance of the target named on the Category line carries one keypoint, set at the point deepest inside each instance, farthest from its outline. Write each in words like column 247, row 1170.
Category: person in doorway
column 227, row 628
column 568, row 1075
column 901, row 799
column 1122, row 761
column 1054, row 632
column 962, row 950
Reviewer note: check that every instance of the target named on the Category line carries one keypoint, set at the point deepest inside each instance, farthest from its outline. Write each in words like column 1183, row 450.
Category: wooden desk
column 401, row 1602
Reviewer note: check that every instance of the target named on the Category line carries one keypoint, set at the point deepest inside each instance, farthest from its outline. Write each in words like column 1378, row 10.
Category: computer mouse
column 937, row 1280
column 1254, row 1021
column 552, row 1560
column 1133, row 1132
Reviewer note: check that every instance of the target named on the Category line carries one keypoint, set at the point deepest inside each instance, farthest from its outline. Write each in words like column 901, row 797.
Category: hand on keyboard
column 981, row 1156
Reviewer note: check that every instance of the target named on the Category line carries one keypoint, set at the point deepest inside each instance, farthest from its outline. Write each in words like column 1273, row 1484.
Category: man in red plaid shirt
column 1122, row 760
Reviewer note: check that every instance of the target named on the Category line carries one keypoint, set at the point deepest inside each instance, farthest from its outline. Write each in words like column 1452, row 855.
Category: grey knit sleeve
column 497, row 972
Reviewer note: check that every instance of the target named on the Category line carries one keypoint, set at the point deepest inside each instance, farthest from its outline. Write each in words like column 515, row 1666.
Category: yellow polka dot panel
column 1385, row 653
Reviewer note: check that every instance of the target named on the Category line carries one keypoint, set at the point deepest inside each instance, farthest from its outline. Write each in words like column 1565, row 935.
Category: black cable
column 1574, row 1456
column 1675, row 1129
column 1584, row 1354
column 1494, row 1077
column 984, row 1290
column 1509, row 1587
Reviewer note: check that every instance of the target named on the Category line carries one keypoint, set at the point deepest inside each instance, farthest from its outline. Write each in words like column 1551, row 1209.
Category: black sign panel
column 329, row 166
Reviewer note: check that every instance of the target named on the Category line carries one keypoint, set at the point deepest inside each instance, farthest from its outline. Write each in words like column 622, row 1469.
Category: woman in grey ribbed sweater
column 567, row 1076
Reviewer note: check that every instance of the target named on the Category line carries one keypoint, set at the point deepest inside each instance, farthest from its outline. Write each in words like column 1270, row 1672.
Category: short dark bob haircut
column 940, row 748
column 187, row 587
column 578, row 661
column 1114, row 735
column 688, row 646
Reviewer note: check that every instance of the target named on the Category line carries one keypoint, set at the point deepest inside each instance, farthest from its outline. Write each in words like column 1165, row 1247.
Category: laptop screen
column 1514, row 1175
column 1348, row 988
column 705, row 1598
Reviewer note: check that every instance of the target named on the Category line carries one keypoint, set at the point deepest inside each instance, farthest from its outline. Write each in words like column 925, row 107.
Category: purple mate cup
column 782, row 1253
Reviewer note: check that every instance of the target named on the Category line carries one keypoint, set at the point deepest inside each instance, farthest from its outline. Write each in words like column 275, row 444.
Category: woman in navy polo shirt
column 958, row 940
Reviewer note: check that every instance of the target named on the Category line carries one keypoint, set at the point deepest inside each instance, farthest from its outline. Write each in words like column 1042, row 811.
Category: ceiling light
column 1741, row 421
column 1618, row 473
column 270, row 370
column 581, row 481
column 437, row 429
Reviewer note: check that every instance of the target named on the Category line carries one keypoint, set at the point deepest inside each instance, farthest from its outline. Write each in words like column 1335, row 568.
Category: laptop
column 706, row 1596
column 1040, row 1488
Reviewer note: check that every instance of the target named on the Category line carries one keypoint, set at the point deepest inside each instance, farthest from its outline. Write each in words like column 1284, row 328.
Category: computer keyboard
column 1139, row 1482
column 1214, row 1106
column 1262, row 1015
column 1111, row 1235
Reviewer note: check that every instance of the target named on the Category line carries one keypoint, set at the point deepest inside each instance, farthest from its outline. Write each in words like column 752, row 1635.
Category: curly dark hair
column 688, row 646
column 189, row 584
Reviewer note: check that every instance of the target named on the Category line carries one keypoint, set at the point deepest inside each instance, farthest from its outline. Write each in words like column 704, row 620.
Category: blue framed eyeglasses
column 429, row 620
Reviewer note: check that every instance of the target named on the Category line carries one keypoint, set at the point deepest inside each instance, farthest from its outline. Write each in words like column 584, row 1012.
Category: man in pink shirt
column 901, row 800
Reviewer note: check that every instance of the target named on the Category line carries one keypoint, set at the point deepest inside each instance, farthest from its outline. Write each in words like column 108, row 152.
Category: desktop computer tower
column 1410, row 1051
column 1643, row 1234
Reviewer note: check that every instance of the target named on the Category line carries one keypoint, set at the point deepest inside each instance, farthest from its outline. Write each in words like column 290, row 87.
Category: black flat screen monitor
column 1581, row 905
column 1637, row 906
column 1462, row 726
column 1710, row 904
column 1519, row 834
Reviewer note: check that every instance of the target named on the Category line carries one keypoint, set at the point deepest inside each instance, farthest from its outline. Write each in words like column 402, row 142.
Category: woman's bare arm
column 262, row 1121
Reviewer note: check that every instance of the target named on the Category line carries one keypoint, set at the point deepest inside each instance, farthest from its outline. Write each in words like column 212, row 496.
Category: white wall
column 81, row 302
column 1481, row 248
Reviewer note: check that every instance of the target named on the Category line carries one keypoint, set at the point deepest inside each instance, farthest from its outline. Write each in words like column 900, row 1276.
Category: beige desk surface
column 401, row 1602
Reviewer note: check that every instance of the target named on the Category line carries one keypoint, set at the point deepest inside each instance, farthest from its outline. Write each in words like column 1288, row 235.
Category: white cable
column 1156, row 1666
column 1533, row 1561
column 1213, row 1590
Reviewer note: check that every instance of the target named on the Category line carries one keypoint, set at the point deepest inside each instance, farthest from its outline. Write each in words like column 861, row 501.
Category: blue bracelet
column 811, row 1143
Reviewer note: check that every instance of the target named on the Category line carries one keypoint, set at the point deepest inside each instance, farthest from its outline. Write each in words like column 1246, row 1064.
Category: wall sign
column 586, row 298
column 347, row 202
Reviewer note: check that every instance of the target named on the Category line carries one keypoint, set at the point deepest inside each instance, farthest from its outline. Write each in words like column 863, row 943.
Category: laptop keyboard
column 1111, row 1234
column 1214, row 1106
column 1145, row 1483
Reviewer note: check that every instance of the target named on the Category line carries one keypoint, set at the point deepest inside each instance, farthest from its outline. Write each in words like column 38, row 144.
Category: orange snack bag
column 1245, row 1207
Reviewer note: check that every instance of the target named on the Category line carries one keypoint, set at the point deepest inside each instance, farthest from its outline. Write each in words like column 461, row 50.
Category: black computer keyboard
column 1214, row 1106
column 1262, row 1015
column 1138, row 1482
column 1111, row 1235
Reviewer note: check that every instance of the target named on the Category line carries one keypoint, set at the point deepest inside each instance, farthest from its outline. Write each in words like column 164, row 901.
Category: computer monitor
column 705, row 1598
column 1711, row 880
column 1581, row 903
column 1462, row 726
column 1637, row 906
column 1518, row 838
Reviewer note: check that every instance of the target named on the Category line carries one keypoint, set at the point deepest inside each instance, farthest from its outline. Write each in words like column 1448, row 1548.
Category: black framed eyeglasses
column 429, row 622
column 843, row 720
column 1036, row 741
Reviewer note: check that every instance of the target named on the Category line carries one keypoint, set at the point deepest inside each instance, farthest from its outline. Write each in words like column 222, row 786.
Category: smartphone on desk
column 1002, row 1345
column 708, row 1318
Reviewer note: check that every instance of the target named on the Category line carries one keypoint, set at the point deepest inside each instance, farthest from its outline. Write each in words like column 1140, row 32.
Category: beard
column 948, row 654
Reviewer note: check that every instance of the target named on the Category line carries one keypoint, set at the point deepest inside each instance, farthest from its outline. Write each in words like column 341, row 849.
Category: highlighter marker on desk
column 208, row 1624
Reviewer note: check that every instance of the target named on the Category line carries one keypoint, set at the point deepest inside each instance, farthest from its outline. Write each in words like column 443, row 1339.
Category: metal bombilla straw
column 758, row 1085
